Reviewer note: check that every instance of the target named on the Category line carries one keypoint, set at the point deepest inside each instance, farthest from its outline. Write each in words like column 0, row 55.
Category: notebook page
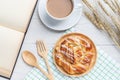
column 16, row 14
column 10, row 41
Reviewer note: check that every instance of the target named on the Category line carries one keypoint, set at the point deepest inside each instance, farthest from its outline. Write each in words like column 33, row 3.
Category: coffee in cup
column 59, row 8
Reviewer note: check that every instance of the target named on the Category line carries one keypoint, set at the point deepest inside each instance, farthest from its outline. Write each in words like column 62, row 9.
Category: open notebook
column 14, row 20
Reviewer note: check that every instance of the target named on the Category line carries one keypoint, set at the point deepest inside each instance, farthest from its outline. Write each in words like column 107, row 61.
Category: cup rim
column 63, row 18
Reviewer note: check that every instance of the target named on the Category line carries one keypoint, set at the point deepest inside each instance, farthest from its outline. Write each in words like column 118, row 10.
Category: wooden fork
column 42, row 51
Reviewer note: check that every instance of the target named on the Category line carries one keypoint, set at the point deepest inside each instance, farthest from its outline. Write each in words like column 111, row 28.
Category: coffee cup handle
column 78, row 6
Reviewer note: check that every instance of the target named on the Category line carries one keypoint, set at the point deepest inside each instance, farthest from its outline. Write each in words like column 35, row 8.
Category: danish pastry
column 74, row 54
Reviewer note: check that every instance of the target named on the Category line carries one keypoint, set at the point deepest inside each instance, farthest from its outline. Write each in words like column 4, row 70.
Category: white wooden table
column 38, row 31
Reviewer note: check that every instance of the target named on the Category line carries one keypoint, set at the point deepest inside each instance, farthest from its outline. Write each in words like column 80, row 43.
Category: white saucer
column 58, row 25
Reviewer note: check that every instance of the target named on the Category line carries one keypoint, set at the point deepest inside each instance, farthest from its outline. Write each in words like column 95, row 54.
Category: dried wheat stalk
column 111, row 6
column 102, row 23
column 114, row 5
column 96, row 15
column 113, row 18
column 107, row 28
column 93, row 20
column 117, row 3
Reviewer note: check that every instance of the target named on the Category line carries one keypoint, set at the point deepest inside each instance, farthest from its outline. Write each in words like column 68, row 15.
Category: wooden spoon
column 31, row 60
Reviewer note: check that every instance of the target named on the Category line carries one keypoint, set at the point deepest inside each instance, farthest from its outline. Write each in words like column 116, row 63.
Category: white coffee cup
column 75, row 6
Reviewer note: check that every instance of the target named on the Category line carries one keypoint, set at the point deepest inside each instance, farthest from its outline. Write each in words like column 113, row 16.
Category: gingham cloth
column 104, row 69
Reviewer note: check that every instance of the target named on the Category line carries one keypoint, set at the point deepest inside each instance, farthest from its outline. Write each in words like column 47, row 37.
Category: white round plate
column 59, row 25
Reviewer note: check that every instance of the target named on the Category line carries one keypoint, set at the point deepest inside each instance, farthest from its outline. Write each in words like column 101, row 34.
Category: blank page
column 16, row 14
column 10, row 41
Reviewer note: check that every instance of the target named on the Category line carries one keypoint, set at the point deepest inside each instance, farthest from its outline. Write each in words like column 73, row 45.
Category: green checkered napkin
column 104, row 69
